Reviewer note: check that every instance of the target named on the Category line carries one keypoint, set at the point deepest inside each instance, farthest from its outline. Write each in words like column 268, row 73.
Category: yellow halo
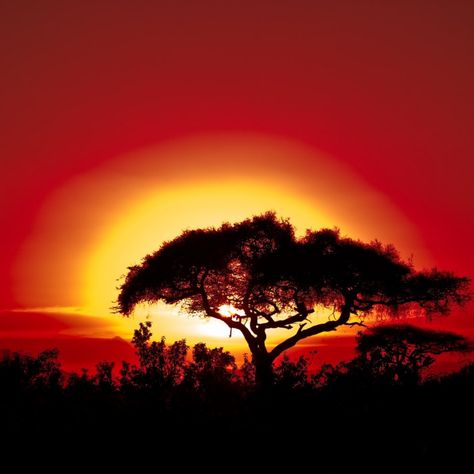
column 103, row 221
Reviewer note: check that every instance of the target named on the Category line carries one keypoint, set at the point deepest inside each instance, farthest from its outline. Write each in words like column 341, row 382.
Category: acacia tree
column 270, row 279
column 401, row 351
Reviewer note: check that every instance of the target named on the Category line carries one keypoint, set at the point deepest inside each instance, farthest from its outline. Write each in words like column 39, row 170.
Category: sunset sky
column 124, row 123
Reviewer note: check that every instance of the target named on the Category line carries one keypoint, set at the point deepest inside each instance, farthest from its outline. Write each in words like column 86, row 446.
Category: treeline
column 162, row 368
column 390, row 355
column 380, row 398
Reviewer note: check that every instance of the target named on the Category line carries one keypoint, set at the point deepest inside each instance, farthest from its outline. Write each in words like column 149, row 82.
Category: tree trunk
column 264, row 375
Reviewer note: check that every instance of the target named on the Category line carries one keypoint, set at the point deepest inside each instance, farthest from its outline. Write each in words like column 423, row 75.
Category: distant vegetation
column 379, row 397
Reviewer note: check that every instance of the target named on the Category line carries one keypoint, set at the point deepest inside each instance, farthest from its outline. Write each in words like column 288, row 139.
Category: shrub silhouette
column 104, row 376
column 160, row 365
column 210, row 373
column 23, row 372
column 292, row 374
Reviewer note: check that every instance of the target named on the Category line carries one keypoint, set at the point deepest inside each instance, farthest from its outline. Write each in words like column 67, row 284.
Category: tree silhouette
column 210, row 367
column 160, row 365
column 292, row 374
column 401, row 351
column 23, row 372
column 256, row 276
column 104, row 376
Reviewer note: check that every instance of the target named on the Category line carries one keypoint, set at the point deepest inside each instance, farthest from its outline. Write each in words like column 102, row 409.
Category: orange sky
column 123, row 126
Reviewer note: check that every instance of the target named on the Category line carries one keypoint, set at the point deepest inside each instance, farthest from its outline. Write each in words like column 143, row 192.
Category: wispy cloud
column 58, row 320
column 52, row 310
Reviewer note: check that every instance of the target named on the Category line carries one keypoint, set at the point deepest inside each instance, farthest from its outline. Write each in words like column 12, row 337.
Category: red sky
column 382, row 88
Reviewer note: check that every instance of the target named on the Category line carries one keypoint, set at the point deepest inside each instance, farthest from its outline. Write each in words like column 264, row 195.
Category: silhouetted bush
column 23, row 372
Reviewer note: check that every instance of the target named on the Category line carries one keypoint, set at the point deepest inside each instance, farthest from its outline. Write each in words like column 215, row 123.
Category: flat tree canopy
column 271, row 279
column 402, row 351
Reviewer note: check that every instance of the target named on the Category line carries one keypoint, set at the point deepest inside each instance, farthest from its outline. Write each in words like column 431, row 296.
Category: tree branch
column 361, row 324
column 312, row 331
column 250, row 312
column 282, row 323
column 369, row 303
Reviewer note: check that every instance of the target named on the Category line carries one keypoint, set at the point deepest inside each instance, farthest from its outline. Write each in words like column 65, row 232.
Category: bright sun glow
column 230, row 311
column 214, row 329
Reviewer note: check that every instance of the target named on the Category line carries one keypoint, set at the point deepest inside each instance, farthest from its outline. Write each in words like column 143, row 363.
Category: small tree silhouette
column 400, row 352
column 256, row 276
column 210, row 368
column 24, row 372
column 104, row 376
column 160, row 365
column 247, row 372
column 292, row 374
